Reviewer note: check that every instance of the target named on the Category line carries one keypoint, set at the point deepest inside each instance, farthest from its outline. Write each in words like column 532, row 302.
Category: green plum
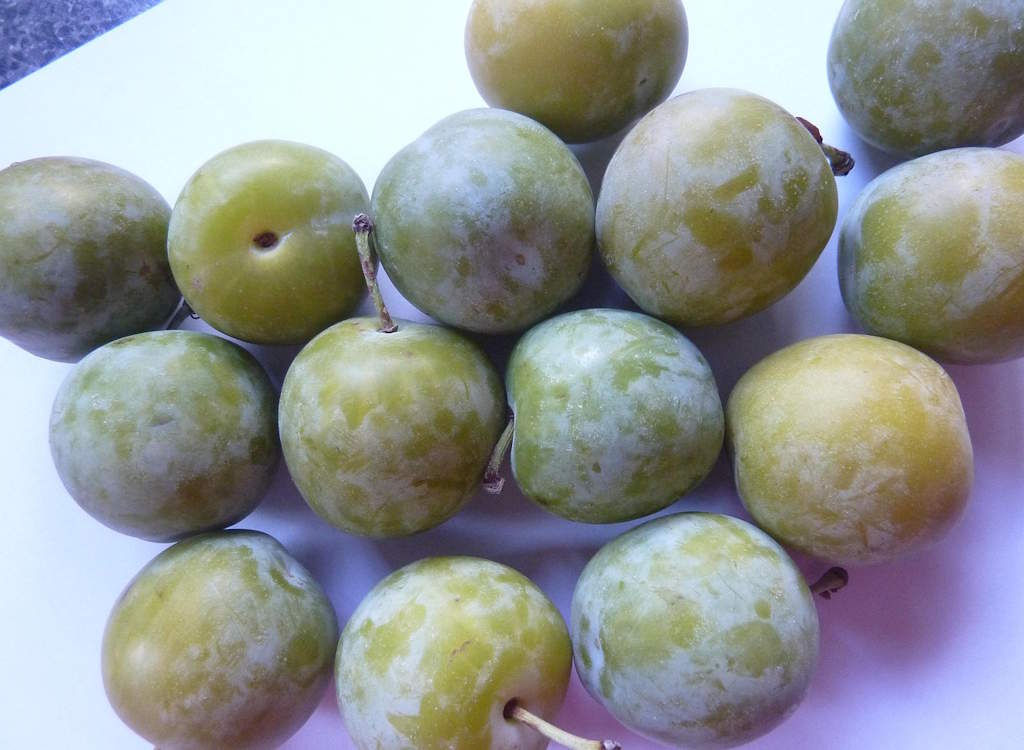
column 932, row 254
column 387, row 434
column 485, row 222
column 715, row 205
column 222, row 641
column 695, row 630
column 436, row 652
column 851, row 448
column 83, row 256
column 261, row 241
column 616, row 415
column 916, row 76
column 164, row 434
column 584, row 68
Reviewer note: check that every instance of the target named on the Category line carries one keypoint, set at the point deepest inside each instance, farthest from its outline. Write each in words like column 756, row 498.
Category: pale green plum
column 432, row 656
column 916, row 76
column 851, row 448
column 387, row 434
column 83, row 256
column 485, row 222
column 695, row 630
column 932, row 254
column 584, row 68
column 261, row 241
column 164, row 434
column 222, row 642
column 616, row 415
column 715, row 205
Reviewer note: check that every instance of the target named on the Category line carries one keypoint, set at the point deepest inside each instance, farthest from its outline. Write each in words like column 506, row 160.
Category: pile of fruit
column 694, row 629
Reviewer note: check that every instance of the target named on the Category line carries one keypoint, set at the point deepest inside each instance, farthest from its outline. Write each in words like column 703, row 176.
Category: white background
column 925, row 653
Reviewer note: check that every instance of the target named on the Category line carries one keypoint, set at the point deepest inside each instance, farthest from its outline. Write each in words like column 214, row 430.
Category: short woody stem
column 183, row 311
column 840, row 161
column 362, row 226
column 515, row 712
column 493, row 481
column 833, row 580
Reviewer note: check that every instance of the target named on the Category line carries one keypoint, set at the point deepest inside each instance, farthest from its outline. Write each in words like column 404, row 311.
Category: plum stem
column 840, row 161
column 513, row 711
column 832, row 581
column 362, row 226
column 184, row 310
column 494, row 483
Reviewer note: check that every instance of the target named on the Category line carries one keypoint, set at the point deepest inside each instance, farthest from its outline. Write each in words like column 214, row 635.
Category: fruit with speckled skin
column 434, row 653
column 616, row 415
column 932, row 254
column 83, row 256
column 851, row 448
column 584, row 68
column 261, row 241
column 916, row 76
column 165, row 434
column 485, row 222
column 222, row 641
column 715, row 205
column 387, row 434
column 695, row 630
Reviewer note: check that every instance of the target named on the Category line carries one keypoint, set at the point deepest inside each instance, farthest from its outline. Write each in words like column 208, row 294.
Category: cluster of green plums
column 694, row 629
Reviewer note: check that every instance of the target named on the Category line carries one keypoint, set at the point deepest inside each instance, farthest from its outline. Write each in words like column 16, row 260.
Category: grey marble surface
column 34, row 32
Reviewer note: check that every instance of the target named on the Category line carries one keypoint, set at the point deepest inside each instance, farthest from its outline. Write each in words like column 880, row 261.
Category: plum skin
column 388, row 434
column 222, row 641
column 83, row 257
column 166, row 433
column 851, row 448
column 931, row 254
column 695, row 630
column 616, row 415
column 585, row 68
column 485, row 222
column 715, row 205
column 433, row 654
column 916, row 77
column 261, row 242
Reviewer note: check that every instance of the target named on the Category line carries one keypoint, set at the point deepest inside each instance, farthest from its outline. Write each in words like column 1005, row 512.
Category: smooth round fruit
column 851, row 448
column 261, row 241
column 715, row 205
column 435, row 652
column 83, row 256
column 695, row 630
column 387, row 434
column 584, row 68
column 932, row 254
column 616, row 415
column 222, row 641
column 916, row 76
column 165, row 434
column 485, row 222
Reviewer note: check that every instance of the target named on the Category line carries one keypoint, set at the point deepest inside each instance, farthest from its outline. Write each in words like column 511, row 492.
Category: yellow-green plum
column 851, row 448
column 932, row 254
column 261, row 241
column 387, row 434
column 167, row 433
column 222, row 641
column 83, row 256
column 916, row 76
column 433, row 655
column 616, row 415
column 584, row 68
column 485, row 222
column 715, row 205
column 695, row 630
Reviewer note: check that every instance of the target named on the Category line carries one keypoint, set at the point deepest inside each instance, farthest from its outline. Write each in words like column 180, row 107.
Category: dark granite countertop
column 34, row 32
